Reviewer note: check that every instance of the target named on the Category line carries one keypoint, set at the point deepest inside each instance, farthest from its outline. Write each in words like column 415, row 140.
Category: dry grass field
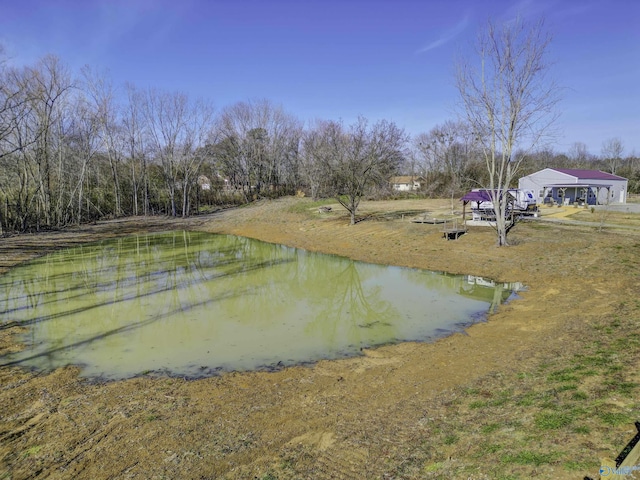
column 545, row 388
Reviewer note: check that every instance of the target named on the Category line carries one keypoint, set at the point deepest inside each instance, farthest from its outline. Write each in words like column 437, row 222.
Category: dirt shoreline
column 381, row 415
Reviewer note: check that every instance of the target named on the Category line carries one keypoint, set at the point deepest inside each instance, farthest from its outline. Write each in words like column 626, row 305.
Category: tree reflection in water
column 194, row 303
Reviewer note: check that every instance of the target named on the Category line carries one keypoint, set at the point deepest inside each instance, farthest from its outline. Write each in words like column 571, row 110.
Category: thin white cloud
column 525, row 9
column 447, row 36
column 554, row 9
column 115, row 20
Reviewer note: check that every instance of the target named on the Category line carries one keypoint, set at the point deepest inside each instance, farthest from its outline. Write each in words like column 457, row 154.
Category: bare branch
column 508, row 101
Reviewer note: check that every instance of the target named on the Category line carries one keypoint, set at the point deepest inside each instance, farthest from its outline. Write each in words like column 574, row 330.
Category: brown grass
column 546, row 388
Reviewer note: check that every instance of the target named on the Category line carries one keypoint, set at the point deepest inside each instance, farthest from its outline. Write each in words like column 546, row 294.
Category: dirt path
column 381, row 415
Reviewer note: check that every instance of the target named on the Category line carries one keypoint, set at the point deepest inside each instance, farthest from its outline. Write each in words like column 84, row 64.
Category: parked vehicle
column 519, row 203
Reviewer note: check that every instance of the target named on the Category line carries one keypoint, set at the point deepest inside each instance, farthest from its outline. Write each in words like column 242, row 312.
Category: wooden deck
column 452, row 231
column 432, row 221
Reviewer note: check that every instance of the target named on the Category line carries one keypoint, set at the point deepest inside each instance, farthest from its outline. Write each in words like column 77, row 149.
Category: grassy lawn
column 557, row 417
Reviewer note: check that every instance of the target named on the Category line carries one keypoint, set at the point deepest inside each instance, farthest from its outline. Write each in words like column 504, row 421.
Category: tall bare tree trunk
column 508, row 102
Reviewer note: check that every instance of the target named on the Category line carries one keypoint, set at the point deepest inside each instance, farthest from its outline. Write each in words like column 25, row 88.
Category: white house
column 568, row 185
column 204, row 182
column 406, row 183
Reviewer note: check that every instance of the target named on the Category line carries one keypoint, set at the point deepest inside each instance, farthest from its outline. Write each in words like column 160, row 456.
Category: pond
column 194, row 304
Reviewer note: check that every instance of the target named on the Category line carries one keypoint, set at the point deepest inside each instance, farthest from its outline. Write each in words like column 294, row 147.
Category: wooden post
column 464, row 212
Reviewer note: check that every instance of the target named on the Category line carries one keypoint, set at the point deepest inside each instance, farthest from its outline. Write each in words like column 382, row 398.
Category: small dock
column 452, row 231
column 424, row 219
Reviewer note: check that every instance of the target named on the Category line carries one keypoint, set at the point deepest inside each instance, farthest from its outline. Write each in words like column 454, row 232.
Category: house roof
column 588, row 174
column 484, row 195
column 405, row 179
column 477, row 196
column 575, row 185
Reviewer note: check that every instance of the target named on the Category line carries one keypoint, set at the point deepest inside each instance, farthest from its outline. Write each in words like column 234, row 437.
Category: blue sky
column 334, row 59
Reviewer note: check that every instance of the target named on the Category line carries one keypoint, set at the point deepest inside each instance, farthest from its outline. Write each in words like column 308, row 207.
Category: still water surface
column 193, row 304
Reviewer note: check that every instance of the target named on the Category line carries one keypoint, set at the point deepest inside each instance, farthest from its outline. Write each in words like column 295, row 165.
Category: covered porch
column 579, row 194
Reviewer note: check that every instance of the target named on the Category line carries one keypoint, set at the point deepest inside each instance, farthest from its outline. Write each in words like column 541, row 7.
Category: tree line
column 74, row 149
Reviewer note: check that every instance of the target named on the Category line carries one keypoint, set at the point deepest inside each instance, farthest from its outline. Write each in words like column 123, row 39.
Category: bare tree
column 447, row 149
column 134, row 139
column 12, row 102
column 5, row 124
column 197, row 131
column 612, row 153
column 508, row 101
column 225, row 154
column 579, row 153
column 37, row 135
column 101, row 92
column 29, row 109
column 83, row 142
column 165, row 115
column 177, row 128
column 258, row 146
column 359, row 158
column 316, row 151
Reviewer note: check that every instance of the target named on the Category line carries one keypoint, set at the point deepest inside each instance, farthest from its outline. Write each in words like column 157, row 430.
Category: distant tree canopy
column 74, row 148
